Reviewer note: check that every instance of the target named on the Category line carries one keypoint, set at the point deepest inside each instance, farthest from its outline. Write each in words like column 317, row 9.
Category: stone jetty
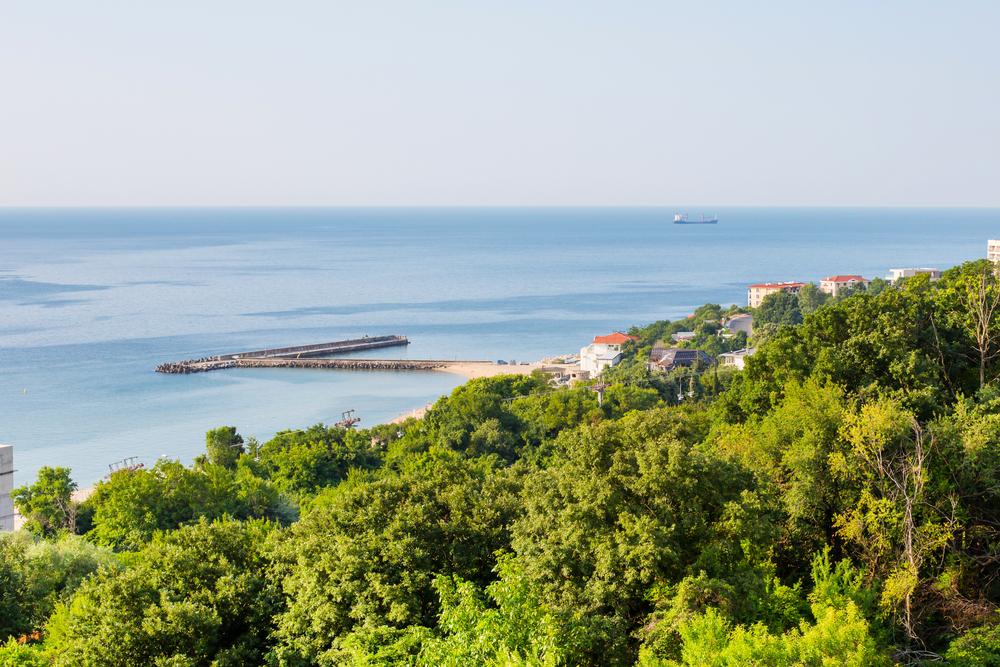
column 215, row 363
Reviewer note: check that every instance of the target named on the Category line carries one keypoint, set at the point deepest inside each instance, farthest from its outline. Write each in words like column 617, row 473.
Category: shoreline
column 478, row 370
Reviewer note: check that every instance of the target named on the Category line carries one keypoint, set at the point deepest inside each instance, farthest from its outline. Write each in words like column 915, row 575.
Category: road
column 741, row 323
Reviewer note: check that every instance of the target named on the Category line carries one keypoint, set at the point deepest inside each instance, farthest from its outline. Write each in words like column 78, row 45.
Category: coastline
column 479, row 370
column 474, row 371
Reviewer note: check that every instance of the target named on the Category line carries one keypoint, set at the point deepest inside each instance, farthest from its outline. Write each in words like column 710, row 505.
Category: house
column 756, row 293
column 736, row 359
column 6, row 487
column 605, row 351
column 834, row 284
column 669, row 358
column 682, row 336
column 909, row 273
column 993, row 250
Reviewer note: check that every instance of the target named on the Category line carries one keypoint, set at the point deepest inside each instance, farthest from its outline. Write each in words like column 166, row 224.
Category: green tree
column 199, row 595
column 790, row 452
column 840, row 634
column 37, row 574
column 360, row 565
column 515, row 629
column 47, row 505
column 13, row 654
column 979, row 647
column 811, row 298
column 973, row 302
column 627, row 506
column 779, row 308
column 133, row 505
column 224, row 446
column 303, row 462
column 894, row 345
column 878, row 285
column 839, row 637
column 894, row 522
column 453, row 419
column 18, row 600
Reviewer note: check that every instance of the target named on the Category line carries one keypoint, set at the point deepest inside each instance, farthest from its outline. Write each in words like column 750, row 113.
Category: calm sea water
column 92, row 300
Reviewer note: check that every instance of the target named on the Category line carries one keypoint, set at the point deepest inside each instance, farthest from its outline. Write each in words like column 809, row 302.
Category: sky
column 469, row 103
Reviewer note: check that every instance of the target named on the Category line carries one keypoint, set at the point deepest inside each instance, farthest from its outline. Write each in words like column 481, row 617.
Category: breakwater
column 345, row 364
column 296, row 352
column 320, row 349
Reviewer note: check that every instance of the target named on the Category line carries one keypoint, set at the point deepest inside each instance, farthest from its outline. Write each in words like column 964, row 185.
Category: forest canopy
column 835, row 502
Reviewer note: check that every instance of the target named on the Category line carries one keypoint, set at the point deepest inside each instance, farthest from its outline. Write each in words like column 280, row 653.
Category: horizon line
column 486, row 206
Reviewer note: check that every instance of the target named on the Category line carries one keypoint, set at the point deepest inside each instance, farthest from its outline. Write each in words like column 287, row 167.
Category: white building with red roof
column 834, row 284
column 605, row 351
column 756, row 293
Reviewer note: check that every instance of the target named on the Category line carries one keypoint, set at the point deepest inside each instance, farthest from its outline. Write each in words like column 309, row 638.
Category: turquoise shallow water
column 92, row 300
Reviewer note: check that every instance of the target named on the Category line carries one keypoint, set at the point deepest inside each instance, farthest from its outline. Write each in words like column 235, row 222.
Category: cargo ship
column 683, row 220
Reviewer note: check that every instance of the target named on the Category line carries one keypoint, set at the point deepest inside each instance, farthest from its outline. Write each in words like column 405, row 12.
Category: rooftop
column 776, row 285
column 617, row 338
column 739, row 353
column 843, row 279
column 668, row 356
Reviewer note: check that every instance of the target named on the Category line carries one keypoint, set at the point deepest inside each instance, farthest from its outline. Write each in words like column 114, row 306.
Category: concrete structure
column 681, row 336
column 736, row 359
column 993, row 250
column 741, row 323
column 670, row 358
column 6, row 486
column 605, row 351
column 756, row 293
column 909, row 273
column 297, row 352
column 606, row 360
column 346, row 364
column 834, row 284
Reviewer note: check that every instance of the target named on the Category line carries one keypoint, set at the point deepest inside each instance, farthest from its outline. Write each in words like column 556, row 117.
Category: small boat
column 683, row 220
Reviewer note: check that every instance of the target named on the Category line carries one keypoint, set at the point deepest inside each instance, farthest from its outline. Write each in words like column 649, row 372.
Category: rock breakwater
column 213, row 364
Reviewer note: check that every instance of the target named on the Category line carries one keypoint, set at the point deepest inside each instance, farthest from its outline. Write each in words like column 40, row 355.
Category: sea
column 92, row 300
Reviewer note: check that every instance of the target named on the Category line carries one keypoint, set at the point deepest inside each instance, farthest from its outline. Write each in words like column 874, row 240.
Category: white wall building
column 6, row 486
column 993, row 250
column 605, row 351
column 909, row 273
column 756, row 293
column 834, row 284
column 736, row 359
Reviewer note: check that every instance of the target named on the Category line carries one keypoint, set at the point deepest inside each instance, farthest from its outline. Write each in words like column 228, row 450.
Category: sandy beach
column 473, row 371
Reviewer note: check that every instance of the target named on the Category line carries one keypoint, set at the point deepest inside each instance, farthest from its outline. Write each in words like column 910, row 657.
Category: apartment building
column 909, row 273
column 605, row 351
column 834, row 284
column 756, row 293
column 993, row 250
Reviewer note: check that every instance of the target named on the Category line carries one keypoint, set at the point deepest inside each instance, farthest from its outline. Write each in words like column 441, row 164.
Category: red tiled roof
column 617, row 338
column 842, row 279
column 778, row 285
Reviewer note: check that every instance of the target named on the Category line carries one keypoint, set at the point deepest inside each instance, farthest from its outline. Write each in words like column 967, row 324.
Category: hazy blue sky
column 520, row 103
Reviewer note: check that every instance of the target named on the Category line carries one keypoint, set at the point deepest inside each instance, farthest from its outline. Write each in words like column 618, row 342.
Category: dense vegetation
column 835, row 503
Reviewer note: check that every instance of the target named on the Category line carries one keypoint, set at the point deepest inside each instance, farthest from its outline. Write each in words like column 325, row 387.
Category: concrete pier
column 321, row 349
column 345, row 364
column 299, row 352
